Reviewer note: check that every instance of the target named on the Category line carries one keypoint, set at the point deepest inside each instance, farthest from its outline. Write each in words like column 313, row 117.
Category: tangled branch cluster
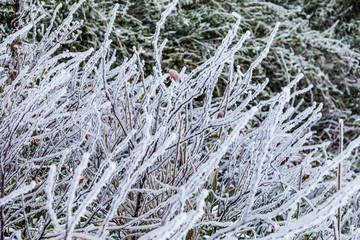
column 92, row 149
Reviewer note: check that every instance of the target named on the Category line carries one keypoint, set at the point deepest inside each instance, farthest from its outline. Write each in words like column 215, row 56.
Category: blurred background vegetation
column 320, row 39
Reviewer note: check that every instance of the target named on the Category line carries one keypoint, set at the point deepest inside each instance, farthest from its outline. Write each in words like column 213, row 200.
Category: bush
column 91, row 148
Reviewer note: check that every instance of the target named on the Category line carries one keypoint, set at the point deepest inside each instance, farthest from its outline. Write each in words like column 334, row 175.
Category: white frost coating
column 319, row 215
column 50, row 197
column 91, row 196
column 79, row 236
column 74, row 184
column 14, row 194
column 18, row 34
column 178, row 227
column 159, row 24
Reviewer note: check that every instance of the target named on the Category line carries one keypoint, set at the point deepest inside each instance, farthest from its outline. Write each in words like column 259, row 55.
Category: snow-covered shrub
column 92, row 149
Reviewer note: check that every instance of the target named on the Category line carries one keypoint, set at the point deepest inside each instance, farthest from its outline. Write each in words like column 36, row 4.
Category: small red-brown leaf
column 220, row 114
column 174, row 75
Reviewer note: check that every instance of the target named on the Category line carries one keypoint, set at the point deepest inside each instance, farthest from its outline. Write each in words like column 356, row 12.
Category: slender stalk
column 341, row 126
column 298, row 205
column 2, row 194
